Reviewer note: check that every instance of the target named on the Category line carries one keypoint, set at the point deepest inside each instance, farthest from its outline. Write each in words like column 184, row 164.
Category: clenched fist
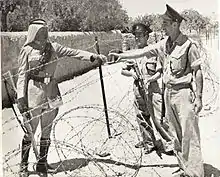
column 100, row 57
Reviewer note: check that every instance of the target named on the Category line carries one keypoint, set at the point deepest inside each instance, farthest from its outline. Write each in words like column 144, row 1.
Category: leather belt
column 45, row 80
column 178, row 86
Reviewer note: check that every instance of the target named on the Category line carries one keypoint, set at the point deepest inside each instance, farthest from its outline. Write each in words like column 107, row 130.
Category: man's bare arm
column 155, row 77
column 148, row 51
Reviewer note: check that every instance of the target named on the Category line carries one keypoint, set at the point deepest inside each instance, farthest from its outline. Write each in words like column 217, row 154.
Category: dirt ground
column 79, row 134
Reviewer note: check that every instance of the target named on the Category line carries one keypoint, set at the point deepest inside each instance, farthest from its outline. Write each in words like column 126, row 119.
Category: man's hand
column 148, row 81
column 100, row 57
column 111, row 58
column 115, row 55
column 134, row 75
column 198, row 105
column 22, row 105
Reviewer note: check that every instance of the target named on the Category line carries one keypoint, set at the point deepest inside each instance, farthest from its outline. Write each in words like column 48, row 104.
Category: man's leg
column 186, row 133
column 26, row 142
column 46, row 126
column 163, row 145
column 157, row 108
column 143, row 120
column 190, row 142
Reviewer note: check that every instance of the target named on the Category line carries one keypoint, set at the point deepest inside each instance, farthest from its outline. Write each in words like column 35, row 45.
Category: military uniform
column 37, row 89
column 39, row 86
column 179, row 60
column 147, row 68
column 179, row 97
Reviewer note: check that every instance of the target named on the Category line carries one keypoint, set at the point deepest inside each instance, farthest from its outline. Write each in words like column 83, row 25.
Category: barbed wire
column 86, row 107
column 204, row 52
column 85, row 125
column 79, row 86
column 62, row 58
column 65, row 148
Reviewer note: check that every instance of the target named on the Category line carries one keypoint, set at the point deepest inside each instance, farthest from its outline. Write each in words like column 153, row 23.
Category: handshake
column 112, row 57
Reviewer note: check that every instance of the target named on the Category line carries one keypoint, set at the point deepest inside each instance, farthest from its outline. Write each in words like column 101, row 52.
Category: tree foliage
column 19, row 19
column 87, row 15
column 70, row 15
column 16, row 14
column 6, row 7
column 194, row 20
column 153, row 20
column 103, row 15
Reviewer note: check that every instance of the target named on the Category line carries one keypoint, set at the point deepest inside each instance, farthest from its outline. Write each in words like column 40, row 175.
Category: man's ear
column 176, row 24
column 146, row 35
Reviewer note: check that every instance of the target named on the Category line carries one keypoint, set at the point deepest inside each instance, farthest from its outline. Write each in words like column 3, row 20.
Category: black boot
column 42, row 165
column 25, row 149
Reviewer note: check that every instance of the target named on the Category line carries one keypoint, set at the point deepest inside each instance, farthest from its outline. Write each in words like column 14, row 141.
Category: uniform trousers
column 184, row 129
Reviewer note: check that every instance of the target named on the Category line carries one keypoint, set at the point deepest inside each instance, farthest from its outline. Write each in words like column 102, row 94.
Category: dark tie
column 170, row 47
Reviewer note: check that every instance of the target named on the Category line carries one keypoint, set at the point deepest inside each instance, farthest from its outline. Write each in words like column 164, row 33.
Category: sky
column 135, row 8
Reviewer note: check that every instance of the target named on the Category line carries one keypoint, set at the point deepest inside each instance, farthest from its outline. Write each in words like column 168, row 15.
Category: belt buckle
column 47, row 80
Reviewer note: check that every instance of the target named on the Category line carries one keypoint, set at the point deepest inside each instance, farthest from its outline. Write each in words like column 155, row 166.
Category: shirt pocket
column 34, row 64
column 177, row 64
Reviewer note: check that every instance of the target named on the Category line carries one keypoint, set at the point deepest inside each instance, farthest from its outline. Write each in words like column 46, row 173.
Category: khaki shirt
column 147, row 68
column 173, row 60
column 38, row 92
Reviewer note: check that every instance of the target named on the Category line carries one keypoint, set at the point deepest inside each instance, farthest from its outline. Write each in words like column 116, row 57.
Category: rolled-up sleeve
column 63, row 51
column 22, row 74
column 152, row 50
column 159, row 65
column 194, row 57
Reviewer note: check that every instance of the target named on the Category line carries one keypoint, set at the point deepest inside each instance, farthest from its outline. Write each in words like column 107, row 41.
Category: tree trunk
column 4, row 21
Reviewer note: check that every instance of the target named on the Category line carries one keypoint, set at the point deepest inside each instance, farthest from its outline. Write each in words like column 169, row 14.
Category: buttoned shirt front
column 172, row 60
column 38, row 92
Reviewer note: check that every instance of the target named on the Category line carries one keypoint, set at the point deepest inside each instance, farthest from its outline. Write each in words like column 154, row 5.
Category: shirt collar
column 181, row 39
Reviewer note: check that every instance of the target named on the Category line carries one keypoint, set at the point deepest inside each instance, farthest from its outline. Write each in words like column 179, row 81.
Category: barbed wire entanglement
column 80, row 145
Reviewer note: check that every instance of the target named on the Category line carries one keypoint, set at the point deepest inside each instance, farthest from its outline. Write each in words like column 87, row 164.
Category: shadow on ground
column 211, row 171
column 77, row 163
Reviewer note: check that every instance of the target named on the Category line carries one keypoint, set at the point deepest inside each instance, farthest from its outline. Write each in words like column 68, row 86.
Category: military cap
column 140, row 28
column 172, row 14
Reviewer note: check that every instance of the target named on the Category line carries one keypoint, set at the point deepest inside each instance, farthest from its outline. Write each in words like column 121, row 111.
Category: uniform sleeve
column 194, row 56
column 22, row 74
column 152, row 50
column 63, row 51
column 159, row 65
